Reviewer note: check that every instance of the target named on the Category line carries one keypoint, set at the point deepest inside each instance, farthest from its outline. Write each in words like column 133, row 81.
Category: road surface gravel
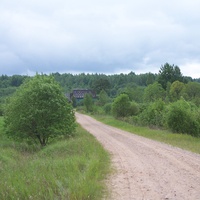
column 145, row 169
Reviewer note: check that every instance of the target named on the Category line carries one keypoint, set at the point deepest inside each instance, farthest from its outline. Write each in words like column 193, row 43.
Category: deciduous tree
column 121, row 106
column 101, row 84
column 192, row 90
column 153, row 92
column 88, row 102
column 103, row 98
column 38, row 110
column 176, row 90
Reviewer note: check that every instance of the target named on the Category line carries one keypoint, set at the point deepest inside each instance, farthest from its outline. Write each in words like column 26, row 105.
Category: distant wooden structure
column 79, row 94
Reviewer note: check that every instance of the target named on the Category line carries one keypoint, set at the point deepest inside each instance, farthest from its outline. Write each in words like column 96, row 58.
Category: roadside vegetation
column 168, row 109
column 44, row 153
column 65, row 169
column 183, row 141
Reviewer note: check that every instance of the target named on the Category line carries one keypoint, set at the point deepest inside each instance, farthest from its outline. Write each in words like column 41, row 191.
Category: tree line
column 162, row 100
column 112, row 84
column 171, row 101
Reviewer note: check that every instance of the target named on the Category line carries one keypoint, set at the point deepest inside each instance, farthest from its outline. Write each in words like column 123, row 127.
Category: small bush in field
column 134, row 109
column 152, row 115
column 182, row 118
column 121, row 106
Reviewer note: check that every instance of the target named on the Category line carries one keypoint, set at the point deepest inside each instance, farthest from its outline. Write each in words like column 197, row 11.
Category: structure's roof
column 80, row 93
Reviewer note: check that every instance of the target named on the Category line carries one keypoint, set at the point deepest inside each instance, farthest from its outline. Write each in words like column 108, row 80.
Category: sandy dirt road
column 145, row 169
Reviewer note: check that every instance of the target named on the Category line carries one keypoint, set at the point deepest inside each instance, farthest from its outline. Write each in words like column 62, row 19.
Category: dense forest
column 152, row 99
column 112, row 84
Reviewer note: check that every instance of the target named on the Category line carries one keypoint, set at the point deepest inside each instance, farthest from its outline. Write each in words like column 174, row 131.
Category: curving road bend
column 145, row 169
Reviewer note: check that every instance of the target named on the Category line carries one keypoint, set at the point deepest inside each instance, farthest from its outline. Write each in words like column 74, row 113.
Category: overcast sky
column 99, row 36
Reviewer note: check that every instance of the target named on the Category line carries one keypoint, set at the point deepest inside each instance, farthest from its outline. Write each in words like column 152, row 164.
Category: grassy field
column 183, row 141
column 69, row 169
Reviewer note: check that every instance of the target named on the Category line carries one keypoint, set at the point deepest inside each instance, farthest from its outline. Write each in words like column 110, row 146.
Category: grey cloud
column 97, row 36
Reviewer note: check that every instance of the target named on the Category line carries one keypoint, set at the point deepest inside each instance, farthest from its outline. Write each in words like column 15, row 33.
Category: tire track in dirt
column 145, row 169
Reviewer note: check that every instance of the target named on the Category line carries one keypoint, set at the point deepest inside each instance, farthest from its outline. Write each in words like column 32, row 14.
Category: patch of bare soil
column 145, row 169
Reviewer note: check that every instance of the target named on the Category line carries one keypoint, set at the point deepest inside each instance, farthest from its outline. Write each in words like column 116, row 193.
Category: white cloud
column 191, row 69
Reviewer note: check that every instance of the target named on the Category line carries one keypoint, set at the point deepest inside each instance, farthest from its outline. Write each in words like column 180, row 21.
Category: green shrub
column 88, row 102
column 182, row 117
column 121, row 106
column 107, row 108
column 134, row 109
column 103, row 98
column 97, row 110
column 153, row 114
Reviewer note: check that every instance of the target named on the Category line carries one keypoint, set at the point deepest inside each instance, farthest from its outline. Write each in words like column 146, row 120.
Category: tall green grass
column 183, row 141
column 69, row 169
